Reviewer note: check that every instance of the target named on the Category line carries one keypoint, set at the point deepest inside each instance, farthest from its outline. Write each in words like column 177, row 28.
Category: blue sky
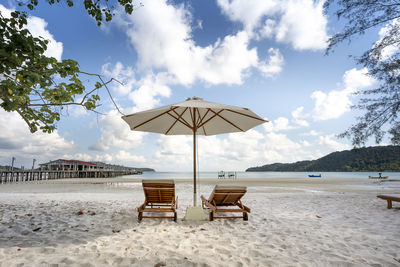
column 268, row 56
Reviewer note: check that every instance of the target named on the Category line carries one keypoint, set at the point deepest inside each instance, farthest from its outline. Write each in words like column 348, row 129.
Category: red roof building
column 72, row 165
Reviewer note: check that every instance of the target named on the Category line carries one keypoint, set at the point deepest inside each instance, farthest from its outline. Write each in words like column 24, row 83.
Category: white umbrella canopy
column 194, row 117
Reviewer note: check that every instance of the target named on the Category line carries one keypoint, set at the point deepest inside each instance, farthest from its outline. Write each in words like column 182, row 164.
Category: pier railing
column 38, row 175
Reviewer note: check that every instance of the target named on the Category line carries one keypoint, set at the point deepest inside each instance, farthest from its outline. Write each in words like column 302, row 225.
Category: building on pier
column 70, row 165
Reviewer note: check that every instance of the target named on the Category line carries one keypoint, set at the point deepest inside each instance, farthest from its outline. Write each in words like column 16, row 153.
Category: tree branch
column 32, row 129
column 105, row 85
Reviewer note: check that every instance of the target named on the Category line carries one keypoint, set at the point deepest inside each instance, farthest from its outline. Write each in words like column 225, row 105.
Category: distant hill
column 121, row 167
column 8, row 168
column 145, row 169
column 378, row 158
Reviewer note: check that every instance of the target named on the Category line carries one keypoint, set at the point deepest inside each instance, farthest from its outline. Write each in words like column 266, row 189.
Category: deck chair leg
column 211, row 215
column 175, row 216
column 140, row 216
column 389, row 202
column 245, row 216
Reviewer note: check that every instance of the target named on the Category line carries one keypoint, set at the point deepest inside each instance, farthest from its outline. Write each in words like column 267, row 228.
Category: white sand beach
column 293, row 222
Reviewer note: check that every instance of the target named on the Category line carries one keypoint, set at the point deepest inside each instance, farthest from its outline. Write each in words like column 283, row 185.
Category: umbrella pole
column 194, row 213
column 194, row 171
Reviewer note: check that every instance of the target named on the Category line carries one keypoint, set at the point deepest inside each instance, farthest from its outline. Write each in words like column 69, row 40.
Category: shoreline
column 270, row 185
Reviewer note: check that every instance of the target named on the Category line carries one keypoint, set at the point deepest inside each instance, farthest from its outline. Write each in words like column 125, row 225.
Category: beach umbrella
column 194, row 117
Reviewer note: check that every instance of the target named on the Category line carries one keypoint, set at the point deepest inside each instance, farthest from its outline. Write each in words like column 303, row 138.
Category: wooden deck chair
column 390, row 199
column 224, row 197
column 159, row 197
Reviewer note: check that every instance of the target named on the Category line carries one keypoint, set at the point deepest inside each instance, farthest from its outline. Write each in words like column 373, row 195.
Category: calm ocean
column 247, row 175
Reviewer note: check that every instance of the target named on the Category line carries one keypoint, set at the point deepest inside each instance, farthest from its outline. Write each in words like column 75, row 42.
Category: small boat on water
column 378, row 177
column 314, row 176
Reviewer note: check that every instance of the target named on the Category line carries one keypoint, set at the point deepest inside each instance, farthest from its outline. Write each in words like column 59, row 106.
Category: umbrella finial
column 194, row 98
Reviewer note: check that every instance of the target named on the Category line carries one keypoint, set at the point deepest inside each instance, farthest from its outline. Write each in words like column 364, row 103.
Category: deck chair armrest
column 202, row 200
column 142, row 207
column 246, row 208
column 240, row 205
column 208, row 204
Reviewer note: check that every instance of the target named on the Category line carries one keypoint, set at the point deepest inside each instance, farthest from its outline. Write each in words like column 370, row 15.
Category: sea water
column 393, row 183
column 253, row 175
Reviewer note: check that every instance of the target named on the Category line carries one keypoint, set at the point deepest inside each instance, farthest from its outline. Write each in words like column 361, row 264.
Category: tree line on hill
column 379, row 158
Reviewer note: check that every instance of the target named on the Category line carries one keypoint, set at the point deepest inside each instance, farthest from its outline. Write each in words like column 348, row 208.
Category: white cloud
column 166, row 45
column 19, row 142
column 283, row 123
column 175, row 152
column 147, row 95
column 174, row 145
column 311, row 133
column 247, row 12
column 356, row 79
column 243, row 146
column 280, row 142
column 301, row 23
column 238, row 151
column 115, row 133
column 279, row 148
column 121, row 157
column 335, row 103
column 333, row 145
column 330, row 105
column 298, row 117
column 305, row 143
column 124, row 156
column 268, row 30
column 77, row 111
column 233, row 151
column 106, row 158
column 144, row 93
column 5, row 12
column 279, row 124
column 274, row 64
column 235, row 148
column 78, row 156
column 389, row 50
column 124, row 75
column 37, row 27
column 228, row 61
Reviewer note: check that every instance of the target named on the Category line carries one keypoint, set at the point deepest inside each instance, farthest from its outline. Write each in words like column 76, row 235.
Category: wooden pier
column 20, row 176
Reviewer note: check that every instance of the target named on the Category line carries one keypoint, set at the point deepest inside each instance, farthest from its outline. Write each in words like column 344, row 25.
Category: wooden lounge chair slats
column 390, row 199
column 226, row 217
column 226, row 196
column 157, row 217
column 229, row 210
column 159, row 197
column 156, row 210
